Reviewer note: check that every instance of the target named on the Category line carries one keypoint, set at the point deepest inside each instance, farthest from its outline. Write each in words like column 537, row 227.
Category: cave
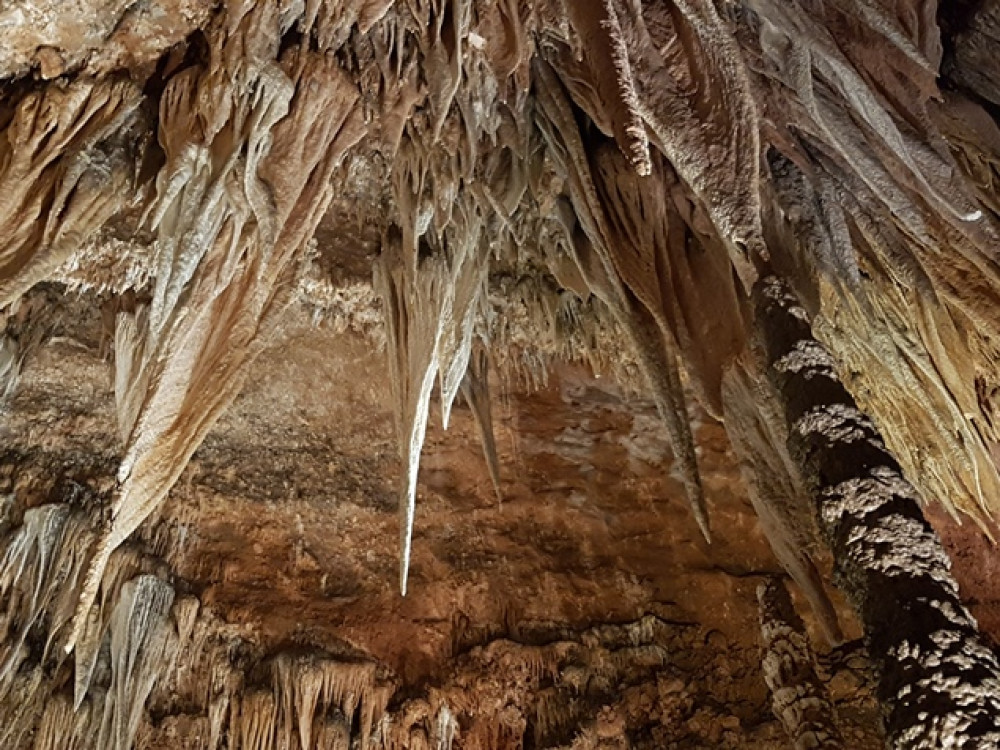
column 499, row 374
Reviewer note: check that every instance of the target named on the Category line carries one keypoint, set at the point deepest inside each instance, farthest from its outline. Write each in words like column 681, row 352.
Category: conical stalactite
column 592, row 243
column 938, row 681
column 68, row 162
column 756, row 429
column 432, row 278
column 475, row 389
column 798, row 698
column 674, row 272
column 245, row 184
column 430, row 306
column 658, row 360
column 413, row 306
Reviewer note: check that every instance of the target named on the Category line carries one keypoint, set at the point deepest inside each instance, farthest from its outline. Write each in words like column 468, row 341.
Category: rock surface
column 585, row 607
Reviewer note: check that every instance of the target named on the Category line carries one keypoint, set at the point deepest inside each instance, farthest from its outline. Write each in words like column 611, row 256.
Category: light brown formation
column 479, row 186
column 797, row 694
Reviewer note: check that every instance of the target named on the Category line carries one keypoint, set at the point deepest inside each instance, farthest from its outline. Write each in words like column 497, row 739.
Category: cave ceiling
column 393, row 373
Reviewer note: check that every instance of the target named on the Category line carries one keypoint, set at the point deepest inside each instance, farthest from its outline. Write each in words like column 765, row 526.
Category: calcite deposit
column 451, row 373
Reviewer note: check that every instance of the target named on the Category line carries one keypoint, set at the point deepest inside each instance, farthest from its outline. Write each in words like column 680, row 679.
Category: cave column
column 798, row 697
column 939, row 684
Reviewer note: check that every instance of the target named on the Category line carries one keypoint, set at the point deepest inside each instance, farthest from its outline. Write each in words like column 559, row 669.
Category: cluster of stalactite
column 131, row 636
column 147, row 649
column 617, row 166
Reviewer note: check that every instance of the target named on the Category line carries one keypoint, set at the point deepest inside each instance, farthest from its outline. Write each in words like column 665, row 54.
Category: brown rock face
column 385, row 374
column 586, row 602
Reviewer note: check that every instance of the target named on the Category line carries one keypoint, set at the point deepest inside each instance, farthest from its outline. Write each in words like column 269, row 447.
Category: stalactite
column 244, row 187
column 122, row 567
column 956, row 460
column 592, row 243
column 63, row 727
column 307, row 688
column 313, row 702
column 432, row 288
column 658, row 359
column 755, row 427
column 31, row 585
column 142, row 643
column 672, row 274
column 26, row 325
column 476, row 390
column 420, row 725
column 257, row 720
column 798, row 698
column 974, row 141
column 816, row 220
column 68, row 158
column 939, row 682
column 445, row 728
column 432, row 278
column 415, row 305
column 44, row 562
column 532, row 325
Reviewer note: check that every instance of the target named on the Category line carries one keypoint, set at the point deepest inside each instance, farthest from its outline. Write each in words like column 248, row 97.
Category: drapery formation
column 68, row 163
column 245, row 183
